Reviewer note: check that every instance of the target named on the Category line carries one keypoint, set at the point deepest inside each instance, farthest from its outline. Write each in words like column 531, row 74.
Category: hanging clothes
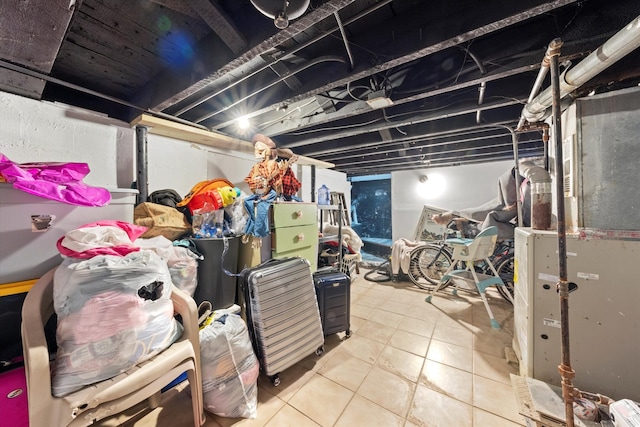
column 257, row 206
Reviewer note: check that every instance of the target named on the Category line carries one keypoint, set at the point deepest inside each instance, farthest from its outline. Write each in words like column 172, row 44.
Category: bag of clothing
column 114, row 312
column 181, row 259
column 161, row 220
column 229, row 366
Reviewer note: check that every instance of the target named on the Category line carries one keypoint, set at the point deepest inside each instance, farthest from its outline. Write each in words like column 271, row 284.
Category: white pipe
column 542, row 73
column 483, row 87
column 614, row 49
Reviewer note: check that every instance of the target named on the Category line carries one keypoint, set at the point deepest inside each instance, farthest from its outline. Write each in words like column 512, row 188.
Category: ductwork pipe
column 614, row 49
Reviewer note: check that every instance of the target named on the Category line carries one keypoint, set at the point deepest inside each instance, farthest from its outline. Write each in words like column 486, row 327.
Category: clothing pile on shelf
column 351, row 248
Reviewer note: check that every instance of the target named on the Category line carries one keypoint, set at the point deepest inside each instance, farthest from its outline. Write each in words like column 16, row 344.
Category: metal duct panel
column 607, row 128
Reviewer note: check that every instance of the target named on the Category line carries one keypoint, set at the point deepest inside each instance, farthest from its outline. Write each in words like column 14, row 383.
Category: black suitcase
column 282, row 313
column 333, row 290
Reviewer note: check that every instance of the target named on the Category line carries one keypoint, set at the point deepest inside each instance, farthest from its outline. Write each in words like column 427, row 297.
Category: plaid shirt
column 290, row 184
column 264, row 176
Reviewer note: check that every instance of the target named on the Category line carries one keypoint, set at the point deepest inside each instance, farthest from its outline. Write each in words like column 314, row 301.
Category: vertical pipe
column 313, row 183
column 344, row 38
column 545, row 141
column 563, row 286
column 141, row 164
column 483, row 87
column 518, row 181
column 542, row 73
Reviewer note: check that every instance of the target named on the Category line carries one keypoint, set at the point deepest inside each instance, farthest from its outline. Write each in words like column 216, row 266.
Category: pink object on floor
column 13, row 398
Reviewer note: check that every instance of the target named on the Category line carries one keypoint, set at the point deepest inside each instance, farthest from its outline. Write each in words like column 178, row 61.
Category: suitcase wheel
column 320, row 351
column 275, row 380
column 347, row 333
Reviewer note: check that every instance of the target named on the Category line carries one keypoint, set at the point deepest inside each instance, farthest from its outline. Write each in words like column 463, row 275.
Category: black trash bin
column 214, row 285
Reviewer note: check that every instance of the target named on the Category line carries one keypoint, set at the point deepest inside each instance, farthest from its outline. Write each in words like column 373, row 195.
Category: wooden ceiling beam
column 32, row 32
column 300, row 25
column 221, row 24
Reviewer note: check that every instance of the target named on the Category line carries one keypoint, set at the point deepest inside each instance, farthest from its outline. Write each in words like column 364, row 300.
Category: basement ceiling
column 370, row 86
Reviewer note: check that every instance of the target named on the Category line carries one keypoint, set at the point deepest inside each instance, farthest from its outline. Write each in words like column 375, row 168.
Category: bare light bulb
column 281, row 21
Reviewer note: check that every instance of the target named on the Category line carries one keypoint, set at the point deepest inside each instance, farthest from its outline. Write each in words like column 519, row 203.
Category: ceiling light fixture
column 243, row 123
column 379, row 99
column 281, row 11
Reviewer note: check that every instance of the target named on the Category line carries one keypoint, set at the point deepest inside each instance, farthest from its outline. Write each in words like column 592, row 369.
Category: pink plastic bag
column 56, row 181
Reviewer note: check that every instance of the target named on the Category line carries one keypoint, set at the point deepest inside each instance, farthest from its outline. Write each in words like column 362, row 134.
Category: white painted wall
column 450, row 188
column 35, row 131
column 334, row 180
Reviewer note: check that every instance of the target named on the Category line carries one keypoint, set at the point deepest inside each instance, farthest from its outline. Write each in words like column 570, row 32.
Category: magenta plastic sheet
column 54, row 180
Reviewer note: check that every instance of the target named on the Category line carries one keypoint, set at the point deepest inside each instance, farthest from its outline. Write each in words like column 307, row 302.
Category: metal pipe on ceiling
column 377, row 158
column 414, row 138
column 283, row 56
column 614, row 49
column 356, row 131
column 537, row 84
column 302, row 67
column 426, row 144
column 497, row 147
column 401, row 164
column 344, row 38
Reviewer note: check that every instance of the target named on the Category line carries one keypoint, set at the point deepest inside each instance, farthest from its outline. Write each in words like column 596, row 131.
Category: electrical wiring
column 355, row 125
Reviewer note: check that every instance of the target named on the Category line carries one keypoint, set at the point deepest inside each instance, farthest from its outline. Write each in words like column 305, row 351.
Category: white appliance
column 31, row 226
column 625, row 413
column 604, row 311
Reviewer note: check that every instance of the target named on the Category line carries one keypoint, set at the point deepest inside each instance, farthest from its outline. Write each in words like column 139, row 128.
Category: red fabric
column 132, row 230
column 212, row 199
column 290, row 184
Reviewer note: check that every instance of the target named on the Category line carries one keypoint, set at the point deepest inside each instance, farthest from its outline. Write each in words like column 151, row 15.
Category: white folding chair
column 469, row 251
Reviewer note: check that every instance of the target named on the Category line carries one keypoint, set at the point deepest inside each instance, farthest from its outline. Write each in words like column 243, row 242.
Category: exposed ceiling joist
column 31, row 35
column 370, row 86
column 220, row 24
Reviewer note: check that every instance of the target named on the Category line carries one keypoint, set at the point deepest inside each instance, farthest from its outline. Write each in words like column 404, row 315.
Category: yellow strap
column 16, row 287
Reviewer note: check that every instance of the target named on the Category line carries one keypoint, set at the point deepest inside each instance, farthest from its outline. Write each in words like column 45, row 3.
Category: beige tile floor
column 407, row 363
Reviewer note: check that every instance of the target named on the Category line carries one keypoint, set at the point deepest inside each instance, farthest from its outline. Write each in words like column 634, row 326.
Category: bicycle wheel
column 427, row 265
column 381, row 273
column 505, row 271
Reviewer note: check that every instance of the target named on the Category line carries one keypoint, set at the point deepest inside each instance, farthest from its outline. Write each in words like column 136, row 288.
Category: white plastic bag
column 229, row 367
column 113, row 313
column 182, row 261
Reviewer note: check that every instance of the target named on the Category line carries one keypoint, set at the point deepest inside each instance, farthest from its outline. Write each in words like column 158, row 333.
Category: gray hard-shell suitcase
column 282, row 313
